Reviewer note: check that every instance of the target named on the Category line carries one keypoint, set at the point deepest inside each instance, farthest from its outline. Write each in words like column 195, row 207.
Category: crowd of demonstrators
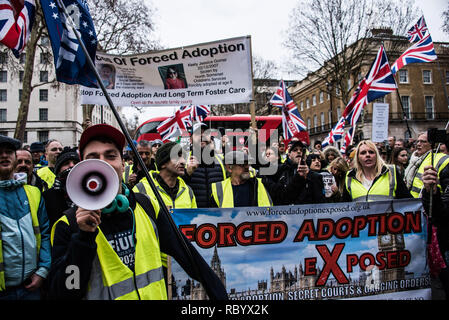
column 292, row 173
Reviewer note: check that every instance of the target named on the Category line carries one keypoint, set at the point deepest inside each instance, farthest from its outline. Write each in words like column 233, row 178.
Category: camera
column 435, row 135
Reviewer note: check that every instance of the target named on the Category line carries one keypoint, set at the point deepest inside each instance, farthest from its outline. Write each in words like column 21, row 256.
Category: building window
column 3, row 58
column 21, row 73
column 430, row 112
column 43, row 76
column 3, row 95
column 315, row 121
column 3, row 115
column 406, row 105
column 338, row 113
column 403, row 76
column 22, row 58
column 313, row 100
column 321, row 96
column 301, row 106
column 45, row 41
column 322, row 120
column 307, row 103
column 43, row 114
column 427, row 76
column 25, row 137
column 20, row 94
column 309, row 124
column 3, row 76
column 43, row 95
column 45, row 58
column 42, row 136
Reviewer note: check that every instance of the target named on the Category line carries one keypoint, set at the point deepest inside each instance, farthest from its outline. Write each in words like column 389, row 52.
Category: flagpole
column 252, row 103
column 400, row 100
column 130, row 143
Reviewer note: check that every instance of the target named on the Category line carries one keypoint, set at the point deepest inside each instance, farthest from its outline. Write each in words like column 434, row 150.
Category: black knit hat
column 66, row 155
column 163, row 153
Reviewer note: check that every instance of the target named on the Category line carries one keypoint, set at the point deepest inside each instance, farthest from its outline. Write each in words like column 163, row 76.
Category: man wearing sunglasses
column 52, row 150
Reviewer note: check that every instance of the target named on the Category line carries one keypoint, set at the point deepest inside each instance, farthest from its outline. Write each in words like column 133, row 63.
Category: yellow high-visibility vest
column 224, row 197
column 111, row 279
column 384, row 188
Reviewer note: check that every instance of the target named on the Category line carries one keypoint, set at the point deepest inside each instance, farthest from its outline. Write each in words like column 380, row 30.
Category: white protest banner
column 355, row 250
column 380, row 122
column 210, row 73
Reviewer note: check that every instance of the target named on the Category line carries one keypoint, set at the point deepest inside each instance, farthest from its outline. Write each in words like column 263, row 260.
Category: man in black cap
column 118, row 251
column 239, row 190
column 174, row 191
column 56, row 197
column 25, row 232
column 37, row 152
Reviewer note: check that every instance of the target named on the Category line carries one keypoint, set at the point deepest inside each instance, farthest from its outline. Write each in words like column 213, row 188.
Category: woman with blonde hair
column 338, row 167
column 371, row 179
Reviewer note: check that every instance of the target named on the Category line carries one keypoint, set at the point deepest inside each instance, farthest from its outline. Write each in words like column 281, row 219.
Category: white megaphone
column 92, row 184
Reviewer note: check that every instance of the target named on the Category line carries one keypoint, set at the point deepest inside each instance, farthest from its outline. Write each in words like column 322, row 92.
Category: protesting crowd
column 48, row 234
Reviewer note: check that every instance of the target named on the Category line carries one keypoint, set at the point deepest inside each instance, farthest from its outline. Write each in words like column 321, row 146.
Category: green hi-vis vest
column 34, row 198
column 110, row 279
column 440, row 161
column 47, row 175
column 185, row 199
column 384, row 188
column 224, row 197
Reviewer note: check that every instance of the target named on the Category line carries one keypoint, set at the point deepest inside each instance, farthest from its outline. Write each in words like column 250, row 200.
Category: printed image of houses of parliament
column 294, row 284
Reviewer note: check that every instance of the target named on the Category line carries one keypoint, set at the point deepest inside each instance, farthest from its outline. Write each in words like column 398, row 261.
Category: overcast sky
column 181, row 23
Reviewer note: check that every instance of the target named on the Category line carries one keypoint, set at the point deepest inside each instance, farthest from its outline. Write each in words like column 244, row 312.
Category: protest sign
column 210, row 73
column 363, row 250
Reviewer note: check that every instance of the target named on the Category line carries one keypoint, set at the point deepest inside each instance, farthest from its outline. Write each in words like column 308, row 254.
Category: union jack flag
column 15, row 31
column 348, row 140
column 419, row 52
column 197, row 113
column 292, row 122
column 175, row 124
column 336, row 133
column 377, row 83
column 418, row 31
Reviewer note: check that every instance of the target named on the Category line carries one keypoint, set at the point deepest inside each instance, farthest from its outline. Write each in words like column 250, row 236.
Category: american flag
column 175, row 124
column 14, row 33
column 197, row 113
column 336, row 133
column 377, row 83
column 348, row 140
column 418, row 31
column 292, row 122
column 419, row 52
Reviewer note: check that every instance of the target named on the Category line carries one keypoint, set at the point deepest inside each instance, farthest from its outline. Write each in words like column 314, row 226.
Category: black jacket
column 291, row 188
column 72, row 246
column 201, row 179
column 440, row 209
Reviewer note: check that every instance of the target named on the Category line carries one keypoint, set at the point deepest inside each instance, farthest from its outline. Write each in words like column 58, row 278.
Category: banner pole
column 131, row 144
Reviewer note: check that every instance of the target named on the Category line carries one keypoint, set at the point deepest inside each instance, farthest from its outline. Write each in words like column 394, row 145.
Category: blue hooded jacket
column 18, row 239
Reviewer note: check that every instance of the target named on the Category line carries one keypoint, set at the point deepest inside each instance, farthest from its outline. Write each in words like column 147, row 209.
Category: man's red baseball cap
column 101, row 130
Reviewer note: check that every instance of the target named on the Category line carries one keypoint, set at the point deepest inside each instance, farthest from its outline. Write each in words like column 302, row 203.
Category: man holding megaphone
column 113, row 243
